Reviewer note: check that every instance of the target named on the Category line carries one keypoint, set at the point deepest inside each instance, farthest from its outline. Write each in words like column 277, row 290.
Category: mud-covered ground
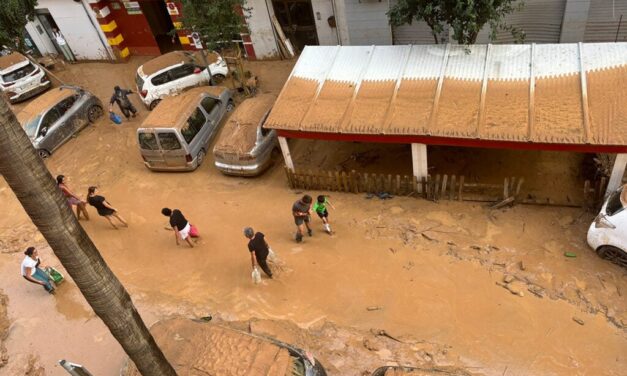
column 449, row 284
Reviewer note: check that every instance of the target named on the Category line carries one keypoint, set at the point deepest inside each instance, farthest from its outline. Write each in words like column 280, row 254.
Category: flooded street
column 457, row 284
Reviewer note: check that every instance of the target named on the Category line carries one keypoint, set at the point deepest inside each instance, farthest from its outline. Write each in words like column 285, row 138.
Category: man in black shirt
column 120, row 96
column 179, row 224
column 259, row 250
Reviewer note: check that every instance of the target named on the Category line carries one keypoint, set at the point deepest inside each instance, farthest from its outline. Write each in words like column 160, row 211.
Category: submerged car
column 607, row 235
column 196, row 347
column 175, row 72
column 51, row 119
column 20, row 78
column 245, row 148
column 176, row 135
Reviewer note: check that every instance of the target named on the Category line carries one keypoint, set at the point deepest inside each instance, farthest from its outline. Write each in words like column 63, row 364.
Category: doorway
column 47, row 22
column 158, row 18
column 297, row 21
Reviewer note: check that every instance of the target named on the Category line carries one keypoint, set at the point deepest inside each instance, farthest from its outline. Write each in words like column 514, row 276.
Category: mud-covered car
column 196, row 347
column 607, row 234
column 419, row 371
column 52, row 118
column 245, row 148
column 20, row 78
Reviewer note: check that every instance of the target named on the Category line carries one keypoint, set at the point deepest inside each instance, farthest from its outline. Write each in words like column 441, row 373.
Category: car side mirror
column 43, row 131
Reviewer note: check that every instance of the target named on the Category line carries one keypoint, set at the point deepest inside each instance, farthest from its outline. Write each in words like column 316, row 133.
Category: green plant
column 14, row 14
column 216, row 21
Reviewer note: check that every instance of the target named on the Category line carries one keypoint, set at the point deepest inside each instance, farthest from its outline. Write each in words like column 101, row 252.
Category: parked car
column 204, row 348
column 20, row 78
column 419, row 371
column 245, row 148
column 175, row 72
column 607, row 235
column 176, row 135
column 51, row 119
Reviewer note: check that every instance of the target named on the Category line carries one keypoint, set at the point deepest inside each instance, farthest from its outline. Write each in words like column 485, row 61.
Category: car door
column 211, row 107
column 47, row 137
column 185, row 76
column 172, row 149
column 196, row 132
column 68, row 123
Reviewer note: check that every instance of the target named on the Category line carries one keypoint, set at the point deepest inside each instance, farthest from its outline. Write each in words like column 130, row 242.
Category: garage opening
column 297, row 21
column 161, row 25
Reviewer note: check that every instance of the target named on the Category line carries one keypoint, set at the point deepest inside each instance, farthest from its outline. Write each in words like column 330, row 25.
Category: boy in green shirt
column 320, row 207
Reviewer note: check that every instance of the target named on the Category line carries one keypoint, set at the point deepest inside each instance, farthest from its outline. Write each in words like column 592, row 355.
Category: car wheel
column 43, row 153
column 613, row 254
column 200, row 158
column 230, row 106
column 154, row 104
column 94, row 113
column 218, row 78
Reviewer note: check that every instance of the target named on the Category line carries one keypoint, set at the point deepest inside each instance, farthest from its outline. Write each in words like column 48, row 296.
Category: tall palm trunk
column 33, row 185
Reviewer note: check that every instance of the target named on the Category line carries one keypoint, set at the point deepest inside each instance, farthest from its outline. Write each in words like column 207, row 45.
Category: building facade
column 116, row 29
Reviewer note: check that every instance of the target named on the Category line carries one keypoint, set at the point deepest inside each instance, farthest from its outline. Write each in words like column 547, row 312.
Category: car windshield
column 18, row 73
column 30, row 126
column 614, row 204
column 139, row 81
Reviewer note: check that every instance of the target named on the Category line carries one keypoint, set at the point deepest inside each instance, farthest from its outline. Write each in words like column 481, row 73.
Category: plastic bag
column 272, row 256
column 193, row 231
column 256, row 275
column 117, row 119
column 55, row 275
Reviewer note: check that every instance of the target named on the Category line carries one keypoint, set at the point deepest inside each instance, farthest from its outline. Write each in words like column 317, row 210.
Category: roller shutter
column 603, row 21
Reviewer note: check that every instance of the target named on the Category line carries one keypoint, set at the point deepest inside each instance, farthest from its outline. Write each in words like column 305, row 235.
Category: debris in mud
column 4, row 328
column 383, row 333
column 374, row 308
column 514, row 286
column 578, row 320
column 536, row 290
column 369, row 345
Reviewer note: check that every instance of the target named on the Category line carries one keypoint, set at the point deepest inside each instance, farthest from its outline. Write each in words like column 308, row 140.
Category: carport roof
column 545, row 96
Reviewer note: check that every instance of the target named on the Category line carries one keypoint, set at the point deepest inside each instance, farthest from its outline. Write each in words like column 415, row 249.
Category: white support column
column 286, row 153
column 419, row 160
column 618, row 171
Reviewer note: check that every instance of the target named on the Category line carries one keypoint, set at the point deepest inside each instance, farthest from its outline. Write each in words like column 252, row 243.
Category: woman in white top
column 32, row 272
column 61, row 42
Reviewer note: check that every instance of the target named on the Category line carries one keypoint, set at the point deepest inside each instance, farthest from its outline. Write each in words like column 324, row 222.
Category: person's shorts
column 323, row 214
column 73, row 201
column 185, row 231
column 300, row 220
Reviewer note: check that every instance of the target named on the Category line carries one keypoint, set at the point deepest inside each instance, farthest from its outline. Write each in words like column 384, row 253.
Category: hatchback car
column 51, row 119
column 607, row 235
column 245, row 148
column 196, row 347
column 20, row 78
column 174, row 72
column 176, row 135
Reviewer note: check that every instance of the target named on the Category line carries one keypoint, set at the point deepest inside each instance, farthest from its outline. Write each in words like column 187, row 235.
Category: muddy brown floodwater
column 402, row 281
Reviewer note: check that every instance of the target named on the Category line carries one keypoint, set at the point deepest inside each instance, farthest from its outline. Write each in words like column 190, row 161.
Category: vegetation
column 464, row 17
column 216, row 21
column 14, row 14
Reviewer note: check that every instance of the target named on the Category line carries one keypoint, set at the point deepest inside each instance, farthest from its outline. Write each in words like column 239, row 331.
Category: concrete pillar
column 574, row 21
column 286, row 153
column 618, row 171
column 419, row 160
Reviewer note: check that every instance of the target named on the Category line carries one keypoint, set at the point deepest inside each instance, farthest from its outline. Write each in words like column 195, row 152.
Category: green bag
column 55, row 275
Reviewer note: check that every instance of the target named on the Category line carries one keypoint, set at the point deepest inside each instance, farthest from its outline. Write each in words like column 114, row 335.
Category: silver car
column 52, row 118
column 245, row 148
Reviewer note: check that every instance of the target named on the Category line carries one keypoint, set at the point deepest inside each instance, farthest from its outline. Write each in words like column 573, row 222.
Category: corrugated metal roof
column 572, row 93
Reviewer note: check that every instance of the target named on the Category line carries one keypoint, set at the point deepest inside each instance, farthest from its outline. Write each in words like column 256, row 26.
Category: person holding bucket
column 183, row 230
column 120, row 96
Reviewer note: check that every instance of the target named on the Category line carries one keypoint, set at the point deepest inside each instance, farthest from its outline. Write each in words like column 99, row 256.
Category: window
column 18, row 73
column 614, row 204
column 148, row 141
column 65, row 105
column 169, row 141
column 49, row 119
column 161, row 78
column 139, row 81
column 194, row 125
column 181, row 71
column 208, row 104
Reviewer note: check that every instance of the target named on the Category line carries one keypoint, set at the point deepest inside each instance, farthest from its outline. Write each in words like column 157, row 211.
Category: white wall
column 41, row 40
column 261, row 32
column 83, row 37
column 322, row 10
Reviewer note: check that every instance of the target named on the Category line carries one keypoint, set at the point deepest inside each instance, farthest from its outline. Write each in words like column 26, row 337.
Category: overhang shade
column 547, row 93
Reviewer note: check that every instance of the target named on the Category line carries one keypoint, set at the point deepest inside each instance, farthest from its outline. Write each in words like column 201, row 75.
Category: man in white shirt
column 67, row 52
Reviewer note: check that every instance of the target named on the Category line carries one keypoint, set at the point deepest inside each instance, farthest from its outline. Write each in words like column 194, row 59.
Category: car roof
column 195, row 347
column 11, row 59
column 173, row 58
column 172, row 111
column 45, row 101
column 240, row 132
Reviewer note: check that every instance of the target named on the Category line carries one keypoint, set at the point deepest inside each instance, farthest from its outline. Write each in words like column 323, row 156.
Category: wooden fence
column 434, row 188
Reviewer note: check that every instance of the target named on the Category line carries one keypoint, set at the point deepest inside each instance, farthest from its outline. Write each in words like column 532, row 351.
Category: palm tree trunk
column 34, row 187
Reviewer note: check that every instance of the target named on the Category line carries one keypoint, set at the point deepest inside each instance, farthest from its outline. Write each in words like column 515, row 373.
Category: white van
column 20, row 78
column 607, row 235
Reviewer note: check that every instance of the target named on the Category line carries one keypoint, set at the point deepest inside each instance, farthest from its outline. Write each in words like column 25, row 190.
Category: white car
column 174, row 72
column 607, row 235
column 20, row 78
